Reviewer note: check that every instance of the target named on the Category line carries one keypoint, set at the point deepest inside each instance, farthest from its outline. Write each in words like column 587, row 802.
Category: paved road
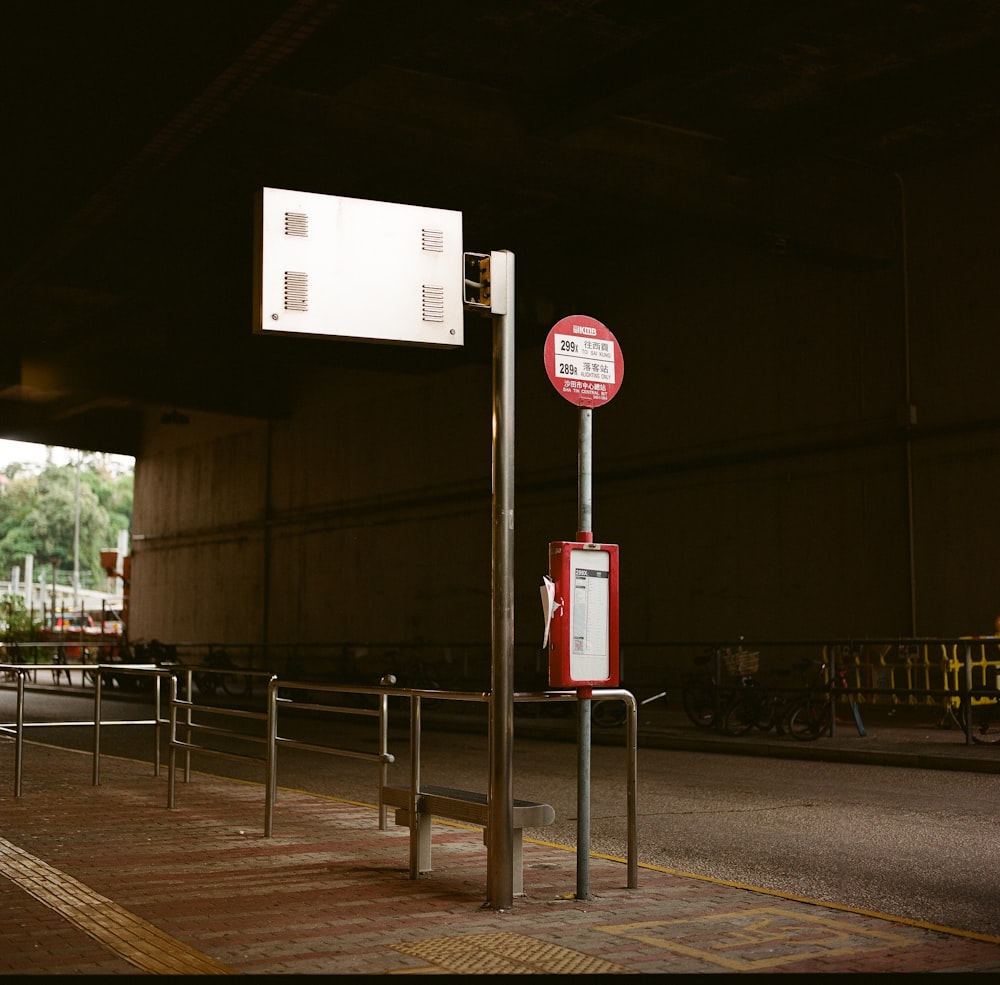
column 912, row 843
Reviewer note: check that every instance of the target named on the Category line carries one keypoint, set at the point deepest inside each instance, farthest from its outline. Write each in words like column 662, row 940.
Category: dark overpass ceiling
column 136, row 136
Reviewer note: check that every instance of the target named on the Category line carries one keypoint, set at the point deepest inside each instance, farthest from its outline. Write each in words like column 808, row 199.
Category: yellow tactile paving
column 506, row 954
column 130, row 937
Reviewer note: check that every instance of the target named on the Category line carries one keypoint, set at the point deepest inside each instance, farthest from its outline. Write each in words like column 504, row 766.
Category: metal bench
column 459, row 805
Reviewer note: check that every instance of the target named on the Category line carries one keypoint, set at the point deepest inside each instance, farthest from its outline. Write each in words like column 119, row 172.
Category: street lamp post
column 76, row 538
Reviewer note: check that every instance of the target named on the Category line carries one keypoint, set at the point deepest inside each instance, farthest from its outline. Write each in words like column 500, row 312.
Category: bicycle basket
column 741, row 662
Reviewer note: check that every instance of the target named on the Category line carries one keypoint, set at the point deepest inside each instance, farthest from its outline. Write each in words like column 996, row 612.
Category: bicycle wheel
column 741, row 715
column 809, row 719
column 235, row 685
column 751, row 708
column 609, row 714
column 985, row 716
column 207, row 684
column 699, row 702
column 766, row 702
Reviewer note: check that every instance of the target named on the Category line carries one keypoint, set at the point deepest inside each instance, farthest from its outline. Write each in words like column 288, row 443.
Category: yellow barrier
column 977, row 662
column 917, row 673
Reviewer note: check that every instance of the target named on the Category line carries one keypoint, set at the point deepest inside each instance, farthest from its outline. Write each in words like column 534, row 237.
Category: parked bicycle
column 979, row 705
column 725, row 671
column 764, row 707
column 221, row 675
column 813, row 716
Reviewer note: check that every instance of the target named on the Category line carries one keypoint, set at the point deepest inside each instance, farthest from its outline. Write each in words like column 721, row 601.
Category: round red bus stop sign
column 583, row 361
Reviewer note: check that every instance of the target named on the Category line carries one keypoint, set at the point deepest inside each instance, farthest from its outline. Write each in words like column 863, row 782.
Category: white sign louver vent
column 296, row 224
column 433, row 240
column 433, row 304
column 296, row 290
column 357, row 269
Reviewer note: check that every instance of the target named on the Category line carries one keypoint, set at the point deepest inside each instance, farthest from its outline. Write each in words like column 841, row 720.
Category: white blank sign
column 351, row 268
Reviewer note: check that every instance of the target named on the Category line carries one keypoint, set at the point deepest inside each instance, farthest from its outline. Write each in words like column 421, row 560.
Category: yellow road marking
column 757, row 939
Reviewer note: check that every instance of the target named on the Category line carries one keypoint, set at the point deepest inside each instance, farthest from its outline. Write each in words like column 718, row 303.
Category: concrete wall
column 757, row 466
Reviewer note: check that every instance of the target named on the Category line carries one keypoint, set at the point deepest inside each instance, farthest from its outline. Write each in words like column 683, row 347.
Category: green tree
column 38, row 515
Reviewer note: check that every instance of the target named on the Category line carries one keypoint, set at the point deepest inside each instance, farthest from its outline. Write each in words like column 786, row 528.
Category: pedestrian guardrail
column 197, row 727
column 20, row 673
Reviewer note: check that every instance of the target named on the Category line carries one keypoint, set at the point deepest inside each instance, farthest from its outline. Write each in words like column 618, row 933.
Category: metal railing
column 183, row 727
column 20, row 673
column 279, row 703
column 186, row 726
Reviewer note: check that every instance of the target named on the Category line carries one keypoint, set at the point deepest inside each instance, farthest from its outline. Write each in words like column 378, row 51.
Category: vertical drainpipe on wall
column 265, row 601
column 908, row 420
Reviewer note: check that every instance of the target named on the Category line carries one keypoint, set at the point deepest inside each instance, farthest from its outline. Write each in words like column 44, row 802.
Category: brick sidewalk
column 106, row 880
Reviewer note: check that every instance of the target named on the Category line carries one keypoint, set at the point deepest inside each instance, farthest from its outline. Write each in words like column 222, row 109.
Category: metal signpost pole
column 585, row 535
column 500, row 827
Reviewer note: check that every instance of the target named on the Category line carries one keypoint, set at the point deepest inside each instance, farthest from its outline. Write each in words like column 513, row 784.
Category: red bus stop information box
column 583, row 632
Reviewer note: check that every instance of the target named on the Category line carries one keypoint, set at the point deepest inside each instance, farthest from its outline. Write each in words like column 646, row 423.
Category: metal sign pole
column 585, row 515
column 584, row 534
column 500, row 826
